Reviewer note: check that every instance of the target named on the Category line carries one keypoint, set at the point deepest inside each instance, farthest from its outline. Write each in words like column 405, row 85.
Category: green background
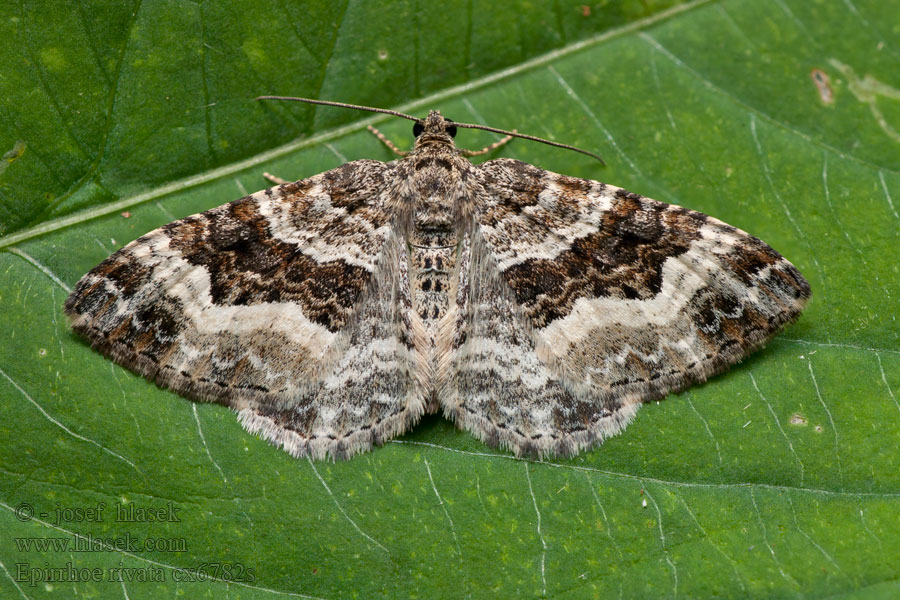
column 777, row 479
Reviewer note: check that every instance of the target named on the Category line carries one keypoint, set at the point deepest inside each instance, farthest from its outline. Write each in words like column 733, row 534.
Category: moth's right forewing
column 620, row 298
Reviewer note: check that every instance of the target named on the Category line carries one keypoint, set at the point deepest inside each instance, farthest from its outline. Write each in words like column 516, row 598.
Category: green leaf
column 777, row 479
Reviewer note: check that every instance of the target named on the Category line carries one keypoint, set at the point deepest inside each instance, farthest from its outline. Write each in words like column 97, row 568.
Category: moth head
column 436, row 124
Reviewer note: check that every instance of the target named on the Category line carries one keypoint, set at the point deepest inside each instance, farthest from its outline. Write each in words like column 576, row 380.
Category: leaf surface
column 778, row 478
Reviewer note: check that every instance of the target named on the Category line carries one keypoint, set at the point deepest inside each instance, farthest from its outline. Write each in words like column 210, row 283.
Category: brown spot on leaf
column 798, row 419
column 823, row 85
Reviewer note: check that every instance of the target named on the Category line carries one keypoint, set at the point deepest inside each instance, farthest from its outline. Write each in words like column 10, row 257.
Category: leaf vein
column 540, row 534
column 63, row 427
column 341, row 508
column 662, row 540
column 780, row 428
column 444, row 507
column 752, row 109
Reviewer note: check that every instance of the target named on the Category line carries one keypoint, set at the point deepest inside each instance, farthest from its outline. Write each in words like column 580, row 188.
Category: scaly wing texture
column 495, row 384
column 291, row 306
column 583, row 300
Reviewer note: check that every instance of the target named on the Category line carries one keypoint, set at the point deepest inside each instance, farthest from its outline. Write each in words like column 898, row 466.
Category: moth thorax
column 434, row 222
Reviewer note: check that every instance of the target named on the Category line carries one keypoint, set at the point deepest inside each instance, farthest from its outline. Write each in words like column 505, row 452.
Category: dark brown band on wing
column 234, row 244
column 623, row 259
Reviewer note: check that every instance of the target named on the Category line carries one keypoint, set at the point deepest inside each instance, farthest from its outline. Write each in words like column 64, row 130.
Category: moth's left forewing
column 625, row 298
column 291, row 305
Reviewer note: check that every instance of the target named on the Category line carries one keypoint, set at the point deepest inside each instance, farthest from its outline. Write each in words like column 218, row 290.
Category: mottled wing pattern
column 582, row 300
column 292, row 306
column 495, row 382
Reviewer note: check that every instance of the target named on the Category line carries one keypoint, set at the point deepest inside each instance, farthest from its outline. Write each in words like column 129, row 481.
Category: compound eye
column 418, row 128
column 450, row 128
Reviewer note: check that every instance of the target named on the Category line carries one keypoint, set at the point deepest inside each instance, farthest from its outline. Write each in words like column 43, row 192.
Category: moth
column 535, row 310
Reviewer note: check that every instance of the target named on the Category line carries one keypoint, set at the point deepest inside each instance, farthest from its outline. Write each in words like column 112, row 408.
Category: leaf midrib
column 425, row 102
column 290, row 147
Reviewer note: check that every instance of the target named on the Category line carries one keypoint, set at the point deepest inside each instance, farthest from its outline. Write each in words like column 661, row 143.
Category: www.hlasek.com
column 89, row 543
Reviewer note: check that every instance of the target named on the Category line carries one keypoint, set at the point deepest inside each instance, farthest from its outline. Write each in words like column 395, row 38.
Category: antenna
column 411, row 118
